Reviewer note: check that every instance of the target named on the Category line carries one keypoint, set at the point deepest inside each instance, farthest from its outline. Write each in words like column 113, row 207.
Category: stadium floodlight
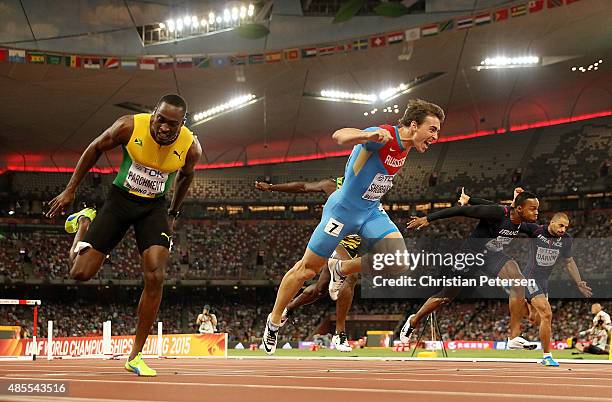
column 170, row 25
column 342, row 96
column 508, row 62
column 591, row 67
column 235, row 14
column 186, row 21
column 219, row 19
column 179, row 25
column 211, row 18
column 251, row 10
column 226, row 15
column 194, row 21
column 243, row 12
column 229, row 106
column 162, row 25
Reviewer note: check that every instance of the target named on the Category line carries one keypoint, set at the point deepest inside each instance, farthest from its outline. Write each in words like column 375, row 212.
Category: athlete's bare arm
column 117, row 134
column 572, row 270
column 327, row 186
column 354, row 136
column 470, row 211
column 184, row 176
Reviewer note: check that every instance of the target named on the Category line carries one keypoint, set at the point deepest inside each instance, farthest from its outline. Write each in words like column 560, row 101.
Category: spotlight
column 186, row 21
column 226, row 15
column 162, row 25
column 219, row 19
column 243, row 12
column 235, row 14
column 211, row 18
column 179, row 25
column 365, row 113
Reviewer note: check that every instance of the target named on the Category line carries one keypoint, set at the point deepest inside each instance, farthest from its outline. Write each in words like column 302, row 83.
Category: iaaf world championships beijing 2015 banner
column 173, row 345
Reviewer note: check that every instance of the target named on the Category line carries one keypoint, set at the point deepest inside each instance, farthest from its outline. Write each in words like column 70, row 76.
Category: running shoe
column 269, row 339
column 520, row 343
column 335, row 281
column 340, row 341
column 72, row 223
column 138, row 366
column 407, row 330
column 548, row 361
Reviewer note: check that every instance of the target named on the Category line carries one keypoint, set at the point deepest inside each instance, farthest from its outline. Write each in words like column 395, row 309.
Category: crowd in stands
column 566, row 159
column 462, row 320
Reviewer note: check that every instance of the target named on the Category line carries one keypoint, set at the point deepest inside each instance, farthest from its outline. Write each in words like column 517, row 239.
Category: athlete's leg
column 541, row 304
column 393, row 242
column 516, row 302
column 306, row 268
column 318, row 289
column 345, row 299
column 154, row 260
column 445, row 296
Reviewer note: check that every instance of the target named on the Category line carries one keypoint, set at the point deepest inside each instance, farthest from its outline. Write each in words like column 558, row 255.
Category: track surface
column 255, row 380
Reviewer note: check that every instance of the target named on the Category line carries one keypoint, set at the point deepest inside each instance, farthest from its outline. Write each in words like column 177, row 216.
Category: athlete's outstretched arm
column 117, row 134
column 572, row 270
column 470, row 211
column 184, row 177
column 354, row 136
column 327, row 186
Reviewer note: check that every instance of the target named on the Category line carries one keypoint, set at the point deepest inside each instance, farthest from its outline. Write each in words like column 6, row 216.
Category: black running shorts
column 122, row 210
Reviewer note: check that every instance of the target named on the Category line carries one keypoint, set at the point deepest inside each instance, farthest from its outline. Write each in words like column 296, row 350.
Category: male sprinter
column 548, row 244
column 378, row 154
column 497, row 227
column 346, row 250
column 156, row 148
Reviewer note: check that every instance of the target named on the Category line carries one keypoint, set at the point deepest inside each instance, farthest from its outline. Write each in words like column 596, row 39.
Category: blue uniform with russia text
column 356, row 208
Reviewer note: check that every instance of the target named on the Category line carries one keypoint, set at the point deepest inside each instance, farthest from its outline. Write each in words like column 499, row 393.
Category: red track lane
column 314, row 380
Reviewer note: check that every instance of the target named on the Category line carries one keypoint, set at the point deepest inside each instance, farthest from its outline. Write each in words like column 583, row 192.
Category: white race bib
column 379, row 187
column 145, row 180
column 546, row 257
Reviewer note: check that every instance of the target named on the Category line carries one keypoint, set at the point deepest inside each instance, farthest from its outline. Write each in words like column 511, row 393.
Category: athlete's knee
column 154, row 277
column 307, row 269
column 545, row 315
column 511, row 270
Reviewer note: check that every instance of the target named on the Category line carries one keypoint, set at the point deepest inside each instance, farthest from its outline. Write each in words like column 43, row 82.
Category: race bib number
column 333, row 227
column 498, row 243
column 546, row 257
column 379, row 187
column 144, row 180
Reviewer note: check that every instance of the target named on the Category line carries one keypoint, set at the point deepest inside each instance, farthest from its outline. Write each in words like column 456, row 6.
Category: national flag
column 91, row 63
column 73, row 61
column 238, row 60
column 344, row 48
column 111, row 63
column 219, row 61
column 393, row 38
column 16, row 56
column 447, row 25
column 518, row 11
column 501, row 15
column 147, row 63
column 326, row 51
column 413, row 34
column 292, row 54
column 258, row 58
column 201, row 62
column 165, row 63
column 184, row 61
column 554, row 3
column 129, row 63
column 429, row 30
column 274, row 57
column 360, row 44
column 54, row 59
column 378, row 41
column 482, row 19
column 464, row 23
column 3, row 54
column 536, row 5
column 309, row 52
column 36, row 58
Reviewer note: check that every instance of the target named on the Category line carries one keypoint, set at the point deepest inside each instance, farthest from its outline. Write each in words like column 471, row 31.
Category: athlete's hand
column 381, row 136
column 60, row 203
column 263, row 186
column 418, row 223
column 463, row 198
column 584, row 288
column 517, row 191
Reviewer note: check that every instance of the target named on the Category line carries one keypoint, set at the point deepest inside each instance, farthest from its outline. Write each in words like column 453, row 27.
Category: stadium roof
column 50, row 113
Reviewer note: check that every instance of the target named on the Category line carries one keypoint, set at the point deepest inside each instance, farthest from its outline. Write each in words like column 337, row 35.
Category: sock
column 338, row 269
column 272, row 326
column 547, row 355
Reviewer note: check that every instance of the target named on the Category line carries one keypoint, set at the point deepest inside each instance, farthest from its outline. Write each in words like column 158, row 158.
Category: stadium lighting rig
column 190, row 26
column 590, row 67
column 372, row 98
column 224, row 108
column 508, row 62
